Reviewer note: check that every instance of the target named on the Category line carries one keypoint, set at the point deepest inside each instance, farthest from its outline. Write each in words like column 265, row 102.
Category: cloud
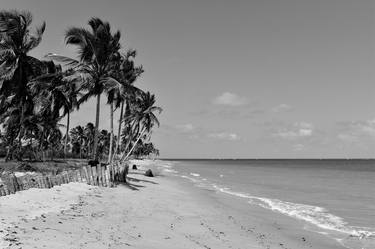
column 365, row 127
column 296, row 131
column 356, row 131
column 224, row 136
column 229, row 99
column 282, row 108
column 185, row 128
column 348, row 138
column 298, row 147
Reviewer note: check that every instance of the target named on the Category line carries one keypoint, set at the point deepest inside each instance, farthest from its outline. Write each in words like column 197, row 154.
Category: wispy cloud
column 296, row 131
column 356, row 131
column 229, row 99
column 282, row 108
column 298, row 147
column 347, row 138
column 224, row 136
column 185, row 128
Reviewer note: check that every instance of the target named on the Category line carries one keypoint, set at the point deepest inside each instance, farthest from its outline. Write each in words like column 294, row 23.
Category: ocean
column 334, row 197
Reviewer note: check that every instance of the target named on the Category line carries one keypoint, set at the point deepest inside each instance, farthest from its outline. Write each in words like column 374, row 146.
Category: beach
column 158, row 212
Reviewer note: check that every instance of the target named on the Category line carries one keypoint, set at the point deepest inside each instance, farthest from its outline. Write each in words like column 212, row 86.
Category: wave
column 195, row 174
column 190, row 178
column 312, row 214
column 170, row 171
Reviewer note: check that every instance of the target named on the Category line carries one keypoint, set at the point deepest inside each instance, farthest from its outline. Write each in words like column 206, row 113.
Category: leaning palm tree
column 96, row 49
column 126, row 73
column 143, row 118
column 16, row 66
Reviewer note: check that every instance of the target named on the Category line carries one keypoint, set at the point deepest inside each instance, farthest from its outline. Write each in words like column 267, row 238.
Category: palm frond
column 67, row 61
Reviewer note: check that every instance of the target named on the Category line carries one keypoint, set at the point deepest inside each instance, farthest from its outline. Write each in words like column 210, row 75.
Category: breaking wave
column 312, row 214
column 195, row 174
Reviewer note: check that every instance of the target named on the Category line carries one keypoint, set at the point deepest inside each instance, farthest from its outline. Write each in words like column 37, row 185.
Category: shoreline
column 160, row 212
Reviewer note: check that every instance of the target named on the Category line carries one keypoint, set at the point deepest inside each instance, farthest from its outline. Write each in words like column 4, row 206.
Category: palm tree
column 126, row 73
column 89, row 131
column 96, row 49
column 143, row 118
column 16, row 66
column 78, row 138
column 71, row 93
column 63, row 91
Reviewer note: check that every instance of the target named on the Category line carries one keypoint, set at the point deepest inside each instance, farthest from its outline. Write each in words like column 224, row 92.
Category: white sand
column 32, row 203
column 148, row 213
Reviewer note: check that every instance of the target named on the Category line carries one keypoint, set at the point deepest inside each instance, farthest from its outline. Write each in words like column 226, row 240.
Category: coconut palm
column 126, row 73
column 16, row 66
column 143, row 118
column 78, row 138
column 96, row 49
column 71, row 94
column 63, row 91
column 89, row 131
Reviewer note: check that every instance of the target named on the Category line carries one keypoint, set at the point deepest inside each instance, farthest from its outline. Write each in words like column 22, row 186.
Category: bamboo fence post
column 2, row 191
column 104, row 178
column 20, row 183
column 46, row 182
column 94, row 175
column 117, row 172
column 74, row 172
column 49, row 179
column 122, row 173
column 108, row 175
column 66, row 177
column 7, row 192
column 69, row 174
column 38, row 181
column 43, row 180
column 79, row 174
column 110, row 172
column 63, row 177
column 89, row 171
column 85, row 174
column 99, row 172
column 58, row 179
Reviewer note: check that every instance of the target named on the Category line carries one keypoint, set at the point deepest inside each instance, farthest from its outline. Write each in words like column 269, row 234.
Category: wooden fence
column 100, row 175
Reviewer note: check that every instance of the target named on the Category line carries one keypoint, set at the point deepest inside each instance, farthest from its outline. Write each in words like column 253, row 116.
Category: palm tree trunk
column 51, row 146
column 111, row 136
column 8, row 154
column 96, row 136
column 117, row 151
column 80, row 149
column 67, row 133
column 135, row 144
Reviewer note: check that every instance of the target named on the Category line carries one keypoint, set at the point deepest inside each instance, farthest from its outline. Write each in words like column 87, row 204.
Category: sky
column 240, row 79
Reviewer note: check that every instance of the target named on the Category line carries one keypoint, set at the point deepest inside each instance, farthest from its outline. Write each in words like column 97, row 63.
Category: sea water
column 335, row 197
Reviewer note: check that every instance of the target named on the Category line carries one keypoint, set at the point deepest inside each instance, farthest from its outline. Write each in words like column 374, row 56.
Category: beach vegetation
column 37, row 93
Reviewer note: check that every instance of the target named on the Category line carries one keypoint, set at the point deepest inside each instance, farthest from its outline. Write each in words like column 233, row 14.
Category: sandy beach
column 158, row 212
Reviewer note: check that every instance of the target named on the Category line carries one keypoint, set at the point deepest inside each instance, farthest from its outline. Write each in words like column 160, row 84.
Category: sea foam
column 312, row 214
column 195, row 174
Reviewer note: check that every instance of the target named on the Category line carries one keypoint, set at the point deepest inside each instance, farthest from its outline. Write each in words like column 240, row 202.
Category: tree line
column 35, row 94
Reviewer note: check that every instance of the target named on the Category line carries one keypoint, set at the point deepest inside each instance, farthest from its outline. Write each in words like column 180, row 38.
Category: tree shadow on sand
column 139, row 180
column 131, row 186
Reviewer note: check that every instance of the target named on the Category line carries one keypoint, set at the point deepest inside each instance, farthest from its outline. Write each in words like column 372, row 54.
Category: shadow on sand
column 131, row 186
column 131, row 179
